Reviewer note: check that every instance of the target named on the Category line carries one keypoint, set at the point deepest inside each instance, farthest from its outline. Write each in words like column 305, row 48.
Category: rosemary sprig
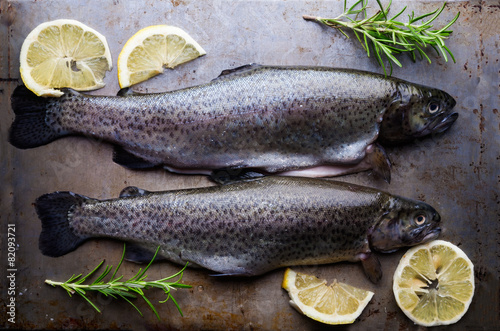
column 389, row 37
column 116, row 288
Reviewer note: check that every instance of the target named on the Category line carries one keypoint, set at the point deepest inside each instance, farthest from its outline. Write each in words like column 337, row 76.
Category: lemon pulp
column 434, row 283
column 64, row 53
column 337, row 303
column 152, row 49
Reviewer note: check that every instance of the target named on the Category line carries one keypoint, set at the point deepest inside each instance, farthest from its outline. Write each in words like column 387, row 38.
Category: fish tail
column 55, row 211
column 30, row 128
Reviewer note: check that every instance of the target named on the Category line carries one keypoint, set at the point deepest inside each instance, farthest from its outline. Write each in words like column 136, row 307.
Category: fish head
column 410, row 224
column 415, row 112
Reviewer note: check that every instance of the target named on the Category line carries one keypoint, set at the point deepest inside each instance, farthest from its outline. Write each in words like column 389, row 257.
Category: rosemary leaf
column 126, row 299
column 388, row 37
column 175, row 303
column 126, row 290
column 152, row 307
column 119, row 265
column 88, row 275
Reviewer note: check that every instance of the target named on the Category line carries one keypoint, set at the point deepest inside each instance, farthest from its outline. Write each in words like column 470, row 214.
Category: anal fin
column 229, row 175
column 139, row 254
column 129, row 160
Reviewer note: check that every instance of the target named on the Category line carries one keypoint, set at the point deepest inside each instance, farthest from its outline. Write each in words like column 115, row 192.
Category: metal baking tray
column 458, row 172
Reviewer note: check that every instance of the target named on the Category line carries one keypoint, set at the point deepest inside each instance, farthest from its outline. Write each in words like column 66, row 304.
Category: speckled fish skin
column 270, row 118
column 243, row 228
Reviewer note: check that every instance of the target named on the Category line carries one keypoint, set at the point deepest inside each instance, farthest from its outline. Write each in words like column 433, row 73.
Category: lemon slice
column 151, row 50
column 434, row 283
column 338, row 303
column 64, row 53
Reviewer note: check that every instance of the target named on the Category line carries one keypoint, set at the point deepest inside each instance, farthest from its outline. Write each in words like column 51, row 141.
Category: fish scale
column 270, row 118
column 243, row 228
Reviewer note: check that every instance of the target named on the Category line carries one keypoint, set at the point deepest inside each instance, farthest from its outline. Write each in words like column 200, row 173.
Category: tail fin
column 30, row 128
column 55, row 211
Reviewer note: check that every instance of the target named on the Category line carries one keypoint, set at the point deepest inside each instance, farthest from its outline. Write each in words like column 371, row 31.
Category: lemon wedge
column 434, row 283
column 338, row 303
column 64, row 53
column 151, row 50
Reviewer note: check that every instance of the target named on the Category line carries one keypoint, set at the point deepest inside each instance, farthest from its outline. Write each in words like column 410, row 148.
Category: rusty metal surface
column 458, row 173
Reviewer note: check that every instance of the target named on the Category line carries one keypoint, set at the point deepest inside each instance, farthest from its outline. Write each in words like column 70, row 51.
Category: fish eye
column 433, row 107
column 420, row 219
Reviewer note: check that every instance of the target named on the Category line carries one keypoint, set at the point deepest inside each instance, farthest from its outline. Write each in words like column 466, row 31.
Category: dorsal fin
column 127, row 92
column 132, row 191
column 68, row 92
column 238, row 70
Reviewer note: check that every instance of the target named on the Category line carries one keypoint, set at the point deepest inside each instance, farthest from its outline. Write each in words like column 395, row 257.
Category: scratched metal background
column 458, row 172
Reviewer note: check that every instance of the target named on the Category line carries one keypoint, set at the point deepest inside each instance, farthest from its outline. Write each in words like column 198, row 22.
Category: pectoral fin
column 372, row 267
column 377, row 158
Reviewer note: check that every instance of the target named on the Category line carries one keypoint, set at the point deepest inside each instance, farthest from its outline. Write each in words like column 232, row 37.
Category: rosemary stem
column 90, row 287
column 389, row 36
column 310, row 18
column 118, row 286
column 126, row 290
column 377, row 26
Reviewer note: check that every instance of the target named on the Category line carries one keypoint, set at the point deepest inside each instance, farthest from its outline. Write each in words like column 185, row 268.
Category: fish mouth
column 442, row 123
column 422, row 236
column 433, row 234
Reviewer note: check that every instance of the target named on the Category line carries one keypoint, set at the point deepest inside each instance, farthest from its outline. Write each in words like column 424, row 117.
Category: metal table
column 457, row 173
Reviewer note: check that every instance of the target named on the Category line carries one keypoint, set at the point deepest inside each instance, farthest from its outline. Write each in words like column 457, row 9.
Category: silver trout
column 307, row 121
column 244, row 228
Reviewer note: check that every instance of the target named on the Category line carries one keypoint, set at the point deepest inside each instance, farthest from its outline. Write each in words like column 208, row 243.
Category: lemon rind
column 25, row 69
column 139, row 37
column 332, row 319
column 404, row 262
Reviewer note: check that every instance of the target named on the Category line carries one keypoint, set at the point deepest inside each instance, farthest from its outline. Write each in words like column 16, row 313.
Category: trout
column 243, row 228
column 297, row 121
